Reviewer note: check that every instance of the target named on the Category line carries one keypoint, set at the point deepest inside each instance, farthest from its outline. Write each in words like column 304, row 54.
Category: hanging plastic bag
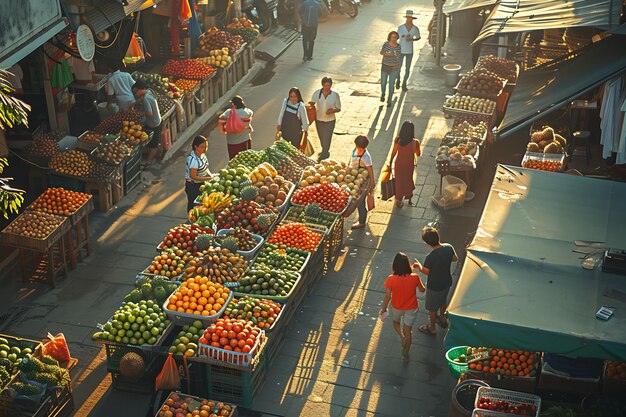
column 134, row 49
column 57, row 348
column 169, row 378
column 234, row 124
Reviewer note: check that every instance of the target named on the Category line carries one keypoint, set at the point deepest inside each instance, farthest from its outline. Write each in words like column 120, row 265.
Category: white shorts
column 406, row 316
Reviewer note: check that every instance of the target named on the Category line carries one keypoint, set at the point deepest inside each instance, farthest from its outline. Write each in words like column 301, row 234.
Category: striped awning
column 511, row 16
column 107, row 13
column 452, row 6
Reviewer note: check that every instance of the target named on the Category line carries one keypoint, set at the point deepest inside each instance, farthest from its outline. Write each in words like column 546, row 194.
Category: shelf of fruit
column 463, row 155
column 465, row 132
column 160, row 85
column 248, row 158
column 505, row 68
column 331, row 171
column 113, row 153
column 458, row 104
column 481, row 83
column 191, row 69
column 187, row 86
column 12, row 351
column 287, row 259
column 217, row 58
column 72, row 162
column 182, row 405
column 243, row 27
column 262, row 312
column 311, row 215
column 328, row 197
column 113, row 124
column 507, row 363
column 228, row 180
column 170, row 263
column 249, row 215
column 241, row 345
column 197, row 298
column 88, row 140
column 247, row 243
column 215, row 38
column 35, row 230
column 268, row 187
column 615, row 371
column 63, row 202
column 184, row 237
column 44, row 145
column 132, row 134
column 263, row 281
column 296, row 236
column 186, row 341
column 508, row 402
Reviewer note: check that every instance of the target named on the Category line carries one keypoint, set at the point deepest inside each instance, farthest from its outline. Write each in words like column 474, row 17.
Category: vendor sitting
column 147, row 104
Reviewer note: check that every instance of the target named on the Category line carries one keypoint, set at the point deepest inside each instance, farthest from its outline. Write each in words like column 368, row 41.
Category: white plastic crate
column 512, row 397
column 231, row 357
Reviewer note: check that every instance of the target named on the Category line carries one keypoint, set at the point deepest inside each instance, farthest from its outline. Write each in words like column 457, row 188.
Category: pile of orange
column 507, row 362
column 616, row 370
column 59, row 201
column 297, row 236
column 552, row 166
column 199, row 296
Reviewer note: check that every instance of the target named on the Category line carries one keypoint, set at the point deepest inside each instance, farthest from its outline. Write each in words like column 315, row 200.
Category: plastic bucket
column 463, row 397
column 452, row 74
column 456, row 368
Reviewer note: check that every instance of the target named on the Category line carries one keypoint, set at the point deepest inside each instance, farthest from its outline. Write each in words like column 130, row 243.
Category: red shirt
column 403, row 295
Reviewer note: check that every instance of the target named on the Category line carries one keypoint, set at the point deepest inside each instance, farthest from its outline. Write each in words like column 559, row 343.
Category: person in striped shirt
column 390, row 65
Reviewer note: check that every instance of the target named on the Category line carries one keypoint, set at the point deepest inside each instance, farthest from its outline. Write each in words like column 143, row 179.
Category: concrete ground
column 338, row 359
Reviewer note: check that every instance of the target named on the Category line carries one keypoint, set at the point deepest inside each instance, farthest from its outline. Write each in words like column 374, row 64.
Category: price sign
column 85, row 42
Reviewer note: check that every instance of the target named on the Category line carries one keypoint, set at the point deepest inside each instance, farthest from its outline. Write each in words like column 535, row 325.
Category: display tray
column 157, row 346
column 278, row 317
column 512, row 397
column 86, row 208
column 283, row 298
column 194, row 403
column 185, row 318
column 336, row 214
column 543, row 157
column 304, row 264
column 217, row 355
column 492, row 96
column 87, row 145
column 489, row 117
column 451, row 136
column 319, row 227
column 39, row 245
column 92, row 155
column 248, row 255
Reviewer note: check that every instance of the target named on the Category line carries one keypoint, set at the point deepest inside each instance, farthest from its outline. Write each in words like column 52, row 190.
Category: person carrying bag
column 235, row 123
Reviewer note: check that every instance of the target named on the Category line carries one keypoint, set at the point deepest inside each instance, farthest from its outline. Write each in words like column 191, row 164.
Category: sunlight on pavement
column 97, row 394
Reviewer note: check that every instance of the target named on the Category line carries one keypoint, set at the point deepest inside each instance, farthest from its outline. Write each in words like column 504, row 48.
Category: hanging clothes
column 610, row 122
column 621, row 150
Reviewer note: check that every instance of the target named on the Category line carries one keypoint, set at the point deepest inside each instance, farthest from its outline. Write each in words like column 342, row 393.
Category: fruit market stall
column 35, row 377
column 540, row 249
column 222, row 290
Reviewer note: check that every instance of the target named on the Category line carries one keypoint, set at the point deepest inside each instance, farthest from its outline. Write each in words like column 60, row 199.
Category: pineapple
column 313, row 211
column 266, row 220
column 203, row 241
column 249, row 193
column 231, row 243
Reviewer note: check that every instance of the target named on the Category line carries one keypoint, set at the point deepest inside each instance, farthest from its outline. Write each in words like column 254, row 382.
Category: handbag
column 306, row 147
column 370, row 202
column 234, row 124
column 311, row 113
column 387, row 183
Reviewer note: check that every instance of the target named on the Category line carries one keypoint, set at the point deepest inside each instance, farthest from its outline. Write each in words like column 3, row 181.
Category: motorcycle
column 350, row 7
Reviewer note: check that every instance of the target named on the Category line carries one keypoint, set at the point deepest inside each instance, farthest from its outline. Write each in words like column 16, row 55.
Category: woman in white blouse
column 293, row 121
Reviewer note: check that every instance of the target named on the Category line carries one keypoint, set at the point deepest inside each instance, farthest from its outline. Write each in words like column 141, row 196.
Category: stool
column 581, row 144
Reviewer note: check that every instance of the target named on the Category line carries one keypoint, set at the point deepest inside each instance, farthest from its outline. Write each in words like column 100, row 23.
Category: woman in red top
column 405, row 149
column 401, row 292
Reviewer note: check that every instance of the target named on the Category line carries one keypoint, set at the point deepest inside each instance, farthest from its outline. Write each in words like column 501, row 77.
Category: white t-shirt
column 364, row 160
column 16, row 76
column 82, row 69
column 406, row 47
column 324, row 103
column 120, row 84
column 201, row 163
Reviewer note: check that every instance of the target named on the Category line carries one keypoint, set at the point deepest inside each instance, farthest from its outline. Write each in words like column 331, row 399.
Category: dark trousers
column 363, row 211
column 192, row 189
column 405, row 59
column 309, row 33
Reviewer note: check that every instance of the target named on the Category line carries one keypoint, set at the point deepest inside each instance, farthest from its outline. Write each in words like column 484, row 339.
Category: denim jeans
column 391, row 77
column 406, row 59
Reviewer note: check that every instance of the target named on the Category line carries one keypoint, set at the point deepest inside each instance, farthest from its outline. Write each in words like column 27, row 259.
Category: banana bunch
column 216, row 201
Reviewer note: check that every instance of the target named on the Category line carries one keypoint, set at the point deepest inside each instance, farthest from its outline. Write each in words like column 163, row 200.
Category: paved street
column 338, row 359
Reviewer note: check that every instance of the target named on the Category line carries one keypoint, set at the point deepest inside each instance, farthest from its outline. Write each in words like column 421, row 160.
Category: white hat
column 409, row 13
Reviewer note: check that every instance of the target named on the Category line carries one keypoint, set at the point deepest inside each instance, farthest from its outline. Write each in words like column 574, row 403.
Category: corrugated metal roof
column 108, row 12
column 20, row 51
column 527, row 15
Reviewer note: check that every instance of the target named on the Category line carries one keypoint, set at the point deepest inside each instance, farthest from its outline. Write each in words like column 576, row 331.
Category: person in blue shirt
column 309, row 12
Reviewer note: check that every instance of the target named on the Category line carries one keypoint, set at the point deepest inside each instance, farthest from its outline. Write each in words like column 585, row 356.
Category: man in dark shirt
column 309, row 12
column 437, row 268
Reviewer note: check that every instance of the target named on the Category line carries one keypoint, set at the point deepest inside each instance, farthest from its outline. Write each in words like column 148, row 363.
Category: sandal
column 358, row 226
column 442, row 322
column 426, row 330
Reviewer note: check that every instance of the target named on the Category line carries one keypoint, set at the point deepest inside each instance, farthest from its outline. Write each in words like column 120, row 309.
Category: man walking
column 309, row 12
column 409, row 33
column 327, row 104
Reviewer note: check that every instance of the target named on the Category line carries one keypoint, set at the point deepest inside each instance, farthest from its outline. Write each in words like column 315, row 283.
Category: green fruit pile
column 10, row 357
column 45, row 371
column 306, row 216
column 186, row 343
column 248, row 158
column 263, row 280
column 229, row 181
column 289, row 259
column 135, row 324
column 154, row 289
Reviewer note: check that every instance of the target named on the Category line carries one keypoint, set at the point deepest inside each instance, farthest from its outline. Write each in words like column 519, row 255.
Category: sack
column 389, row 68
column 370, row 202
column 387, row 183
column 169, row 378
column 311, row 113
column 234, row 124
column 306, row 147
column 57, row 348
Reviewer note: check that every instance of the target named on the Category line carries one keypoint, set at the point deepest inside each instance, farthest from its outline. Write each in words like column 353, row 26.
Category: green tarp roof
column 523, row 287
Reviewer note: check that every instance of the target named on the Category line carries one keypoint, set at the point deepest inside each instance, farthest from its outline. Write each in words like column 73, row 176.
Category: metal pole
column 439, row 36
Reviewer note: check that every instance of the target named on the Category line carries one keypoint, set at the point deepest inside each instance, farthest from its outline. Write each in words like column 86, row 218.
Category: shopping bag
column 169, row 378
column 278, row 136
column 311, row 113
column 57, row 348
column 306, row 147
column 370, row 202
column 387, row 183
column 234, row 124
column 166, row 139
column 134, row 50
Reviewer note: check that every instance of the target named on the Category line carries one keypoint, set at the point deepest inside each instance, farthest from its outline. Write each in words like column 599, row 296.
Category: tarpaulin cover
column 522, row 286
column 522, row 16
column 541, row 90
column 452, row 6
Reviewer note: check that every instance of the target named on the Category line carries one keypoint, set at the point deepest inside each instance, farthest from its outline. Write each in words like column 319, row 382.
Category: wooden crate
column 102, row 194
column 189, row 104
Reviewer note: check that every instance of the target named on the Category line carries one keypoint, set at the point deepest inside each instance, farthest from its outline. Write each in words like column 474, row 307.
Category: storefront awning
column 522, row 16
column 542, row 90
column 20, row 51
column 110, row 12
column 523, row 287
column 458, row 5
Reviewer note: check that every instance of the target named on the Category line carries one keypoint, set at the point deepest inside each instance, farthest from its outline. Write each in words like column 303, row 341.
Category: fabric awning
column 523, row 287
column 452, row 6
column 522, row 16
column 20, row 51
column 109, row 12
column 542, row 90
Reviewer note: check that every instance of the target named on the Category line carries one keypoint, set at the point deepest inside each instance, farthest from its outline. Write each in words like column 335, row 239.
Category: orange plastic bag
column 57, row 348
column 169, row 378
column 134, row 50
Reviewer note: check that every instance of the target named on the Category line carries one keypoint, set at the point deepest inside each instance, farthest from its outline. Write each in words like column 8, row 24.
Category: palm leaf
column 13, row 111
